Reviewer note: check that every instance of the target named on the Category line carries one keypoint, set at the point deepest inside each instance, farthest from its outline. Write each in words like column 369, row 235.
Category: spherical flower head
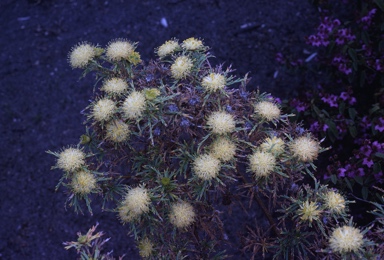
column 346, row 239
column 214, row 82
column 305, row 148
column 134, row 105
column 135, row 203
column 262, row 163
column 335, row 202
column 182, row 214
column 71, row 159
column 152, row 93
column 145, row 248
column 114, row 86
column 221, row 122
column 103, row 109
column 81, row 55
column 181, row 67
column 167, row 48
column 192, row 44
column 274, row 145
column 223, row 149
column 267, row 110
column 117, row 131
column 309, row 211
column 83, row 182
column 119, row 50
column 206, row 167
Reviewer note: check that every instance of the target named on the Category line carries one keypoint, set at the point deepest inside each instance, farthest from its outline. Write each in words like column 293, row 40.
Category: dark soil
column 41, row 97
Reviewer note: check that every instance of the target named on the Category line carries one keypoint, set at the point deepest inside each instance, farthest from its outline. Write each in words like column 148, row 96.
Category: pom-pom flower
column 135, row 203
column 335, row 202
column 103, row 109
column 145, row 248
column 119, row 50
column 167, row 48
column 192, row 44
column 273, row 145
column 81, row 55
column 114, row 86
column 309, row 211
column 221, row 122
column 181, row 67
column 182, row 214
column 305, row 149
column 83, row 182
column 346, row 239
column 262, row 163
column 117, row 131
column 71, row 159
column 206, row 167
column 267, row 110
column 134, row 105
column 214, row 82
column 223, row 149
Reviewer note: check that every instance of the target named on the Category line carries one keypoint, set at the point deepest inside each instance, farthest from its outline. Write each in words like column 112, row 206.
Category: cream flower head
column 221, row 122
column 135, row 203
column 309, row 211
column 119, row 50
column 71, row 159
column 223, row 149
column 274, row 145
column 181, row 67
column 182, row 214
column 103, row 109
column 114, row 86
column 214, row 82
column 134, row 105
column 262, row 163
column 117, row 131
column 206, row 167
column 83, row 182
column 167, row 48
column 335, row 202
column 81, row 55
column 145, row 248
column 346, row 239
column 267, row 110
column 305, row 148
column 192, row 44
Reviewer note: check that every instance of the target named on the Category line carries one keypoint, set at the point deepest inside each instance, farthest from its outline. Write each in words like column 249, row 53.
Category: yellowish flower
column 305, row 149
column 223, row 149
column 267, row 110
column 119, row 50
column 152, row 93
column 115, row 86
column 103, row 110
column 181, row 67
column 214, row 82
column 346, row 239
column 81, row 55
column 206, row 166
column 274, row 145
column 117, row 131
column 71, row 159
column 309, row 211
column 145, row 248
column 221, row 122
column 335, row 202
column 83, row 182
column 134, row 105
column 135, row 203
column 182, row 214
column 192, row 44
column 262, row 163
column 167, row 48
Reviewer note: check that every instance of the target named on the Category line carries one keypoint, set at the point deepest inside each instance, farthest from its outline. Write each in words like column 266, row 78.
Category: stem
column 267, row 214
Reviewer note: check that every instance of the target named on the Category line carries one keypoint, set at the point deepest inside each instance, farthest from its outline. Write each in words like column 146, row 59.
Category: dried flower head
column 346, row 239
column 167, row 48
column 134, row 105
column 214, row 82
column 119, row 49
column 262, row 163
column 274, row 145
column 71, row 159
column 103, row 109
column 151, row 94
column 223, row 149
column 145, row 248
column 206, row 166
column 181, row 67
column 135, row 203
column 305, row 148
column 117, row 131
column 114, row 86
column 192, row 44
column 182, row 214
column 81, row 55
column 335, row 202
column 308, row 211
column 267, row 110
column 83, row 182
column 221, row 122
